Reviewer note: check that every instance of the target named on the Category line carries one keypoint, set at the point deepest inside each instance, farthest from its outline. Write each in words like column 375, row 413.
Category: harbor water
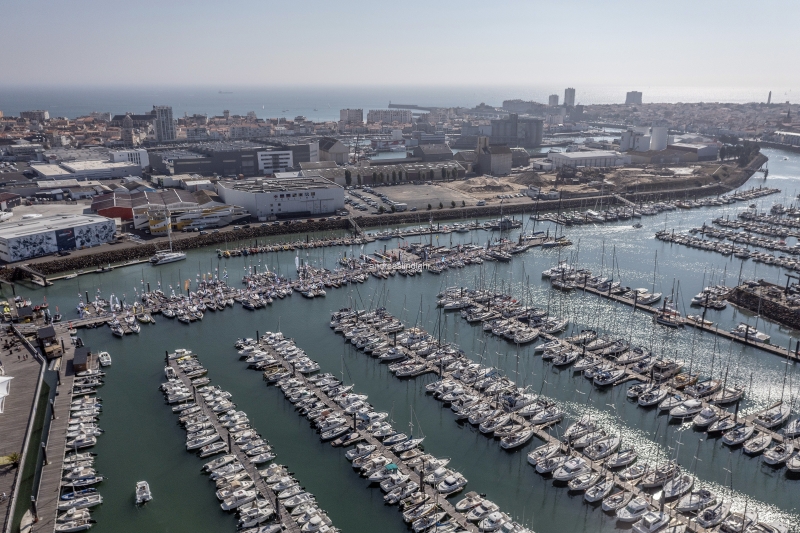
column 143, row 441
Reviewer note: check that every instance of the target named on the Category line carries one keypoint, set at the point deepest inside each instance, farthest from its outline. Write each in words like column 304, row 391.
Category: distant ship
column 226, row 92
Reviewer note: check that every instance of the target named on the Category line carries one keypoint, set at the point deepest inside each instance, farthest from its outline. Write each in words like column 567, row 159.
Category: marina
column 142, row 428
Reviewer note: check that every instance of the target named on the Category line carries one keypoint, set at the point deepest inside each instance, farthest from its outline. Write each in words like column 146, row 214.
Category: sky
column 410, row 42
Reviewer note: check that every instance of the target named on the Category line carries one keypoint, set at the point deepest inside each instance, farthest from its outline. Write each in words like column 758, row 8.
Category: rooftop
column 278, row 184
column 584, row 155
column 23, row 228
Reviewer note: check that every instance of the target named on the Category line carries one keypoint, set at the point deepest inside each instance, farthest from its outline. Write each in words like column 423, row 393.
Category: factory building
column 268, row 199
column 51, row 234
column 88, row 170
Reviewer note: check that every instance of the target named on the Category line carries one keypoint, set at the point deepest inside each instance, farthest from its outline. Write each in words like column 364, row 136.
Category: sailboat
column 162, row 258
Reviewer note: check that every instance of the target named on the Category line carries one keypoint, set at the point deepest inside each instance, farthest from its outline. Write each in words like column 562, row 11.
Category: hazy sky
column 408, row 42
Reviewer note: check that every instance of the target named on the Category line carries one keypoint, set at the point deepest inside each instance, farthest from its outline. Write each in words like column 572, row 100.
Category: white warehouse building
column 55, row 233
column 271, row 198
column 595, row 159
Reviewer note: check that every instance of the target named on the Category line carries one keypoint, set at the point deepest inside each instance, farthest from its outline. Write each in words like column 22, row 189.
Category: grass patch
column 28, row 474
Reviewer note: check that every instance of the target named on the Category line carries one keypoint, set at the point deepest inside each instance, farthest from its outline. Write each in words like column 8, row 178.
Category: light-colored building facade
column 163, row 124
column 267, row 199
column 594, row 159
column 136, row 156
column 272, row 161
column 51, row 234
column 552, row 100
column 403, row 116
column 351, row 116
column 39, row 115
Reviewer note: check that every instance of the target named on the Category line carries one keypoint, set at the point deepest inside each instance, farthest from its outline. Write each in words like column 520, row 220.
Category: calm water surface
column 142, row 440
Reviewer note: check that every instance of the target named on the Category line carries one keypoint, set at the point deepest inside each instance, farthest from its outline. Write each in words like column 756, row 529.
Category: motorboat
column 237, row 499
column 749, row 333
column 451, row 484
column 471, row 499
column 481, row 511
column 493, row 522
column 143, row 494
column 104, row 358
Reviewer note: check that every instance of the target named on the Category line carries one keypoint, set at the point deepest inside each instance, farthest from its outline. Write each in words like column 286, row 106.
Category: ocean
column 320, row 103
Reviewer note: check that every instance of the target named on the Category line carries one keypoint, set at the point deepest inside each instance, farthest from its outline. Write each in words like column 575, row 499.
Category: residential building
column 633, row 97
column 552, row 100
column 50, row 234
column 515, row 131
column 272, row 198
column 39, row 115
column 403, row 116
column 351, row 116
column 569, row 97
column 163, row 124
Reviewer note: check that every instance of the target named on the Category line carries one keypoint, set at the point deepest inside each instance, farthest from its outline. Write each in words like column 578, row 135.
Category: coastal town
column 377, row 268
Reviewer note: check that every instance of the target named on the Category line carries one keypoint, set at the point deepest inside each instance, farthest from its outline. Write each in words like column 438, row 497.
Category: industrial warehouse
column 51, row 234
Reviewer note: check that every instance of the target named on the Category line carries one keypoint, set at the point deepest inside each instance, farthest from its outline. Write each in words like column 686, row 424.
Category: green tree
column 431, row 174
column 359, row 179
column 452, row 204
column 393, row 208
column 394, row 176
column 429, row 207
column 380, row 209
column 441, row 205
column 463, row 203
column 348, row 177
column 444, row 173
column 374, row 177
column 381, row 177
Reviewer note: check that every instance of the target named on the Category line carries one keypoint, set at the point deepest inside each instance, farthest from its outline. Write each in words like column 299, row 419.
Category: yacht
column 170, row 256
column 104, row 358
column 750, row 333
column 714, row 515
column 143, row 494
